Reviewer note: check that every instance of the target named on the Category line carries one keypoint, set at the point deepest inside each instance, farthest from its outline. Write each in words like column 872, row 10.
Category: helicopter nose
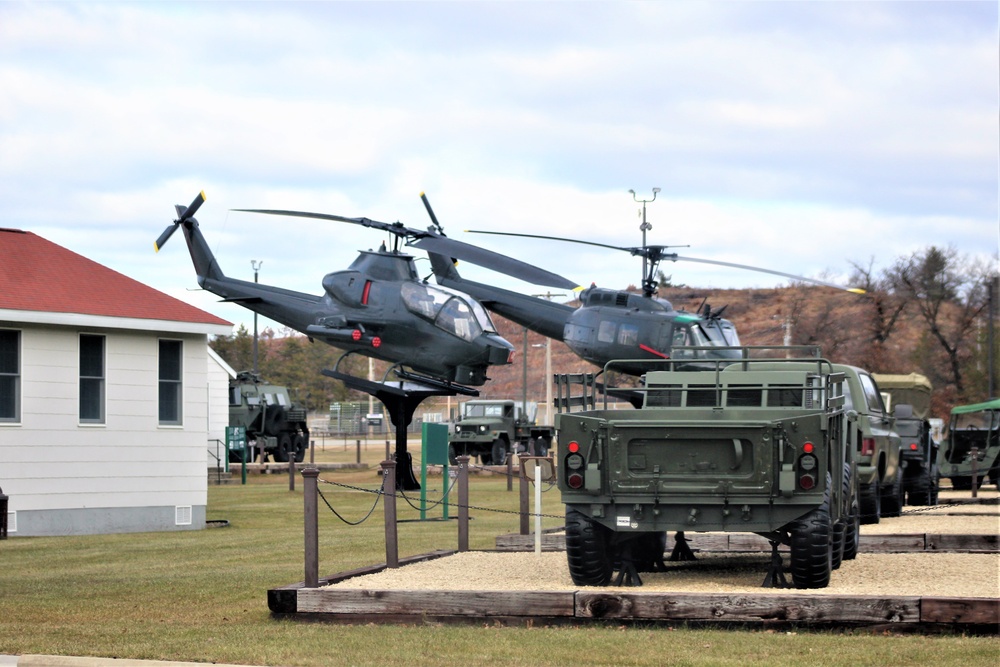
column 498, row 351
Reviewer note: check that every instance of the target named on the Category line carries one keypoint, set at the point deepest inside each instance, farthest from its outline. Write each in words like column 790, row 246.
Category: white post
column 538, row 507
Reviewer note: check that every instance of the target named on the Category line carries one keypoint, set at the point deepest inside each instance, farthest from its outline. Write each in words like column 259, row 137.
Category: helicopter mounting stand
column 401, row 400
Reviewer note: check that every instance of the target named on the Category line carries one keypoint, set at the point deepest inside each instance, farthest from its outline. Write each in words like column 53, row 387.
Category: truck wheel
column 961, row 483
column 811, row 558
column 299, row 445
column 892, row 496
column 587, row 551
column 852, row 533
column 452, row 455
column 498, row 455
column 871, row 502
column 542, row 446
column 284, row 448
column 921, row 490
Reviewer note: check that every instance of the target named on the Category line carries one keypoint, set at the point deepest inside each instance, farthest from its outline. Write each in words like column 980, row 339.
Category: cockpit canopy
column 448, row 309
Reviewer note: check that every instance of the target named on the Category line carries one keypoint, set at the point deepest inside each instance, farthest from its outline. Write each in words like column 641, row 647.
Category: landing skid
column 401, row 399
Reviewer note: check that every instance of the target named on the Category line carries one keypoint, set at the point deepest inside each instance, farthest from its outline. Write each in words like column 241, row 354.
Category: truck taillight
column 867, row 446
column 914, row 447
column 574, row 481
column 807, row 482
column 573, row 447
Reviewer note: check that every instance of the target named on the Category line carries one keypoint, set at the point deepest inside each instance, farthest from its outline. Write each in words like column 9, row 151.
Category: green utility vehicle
column 908, row 397
column 275, row 425
column 758, row 446
column 493, row 429
column 973, row 427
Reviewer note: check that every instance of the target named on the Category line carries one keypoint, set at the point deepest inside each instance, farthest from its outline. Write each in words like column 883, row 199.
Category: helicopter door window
column 681, row 339
column 628, row 334
column 606, row 332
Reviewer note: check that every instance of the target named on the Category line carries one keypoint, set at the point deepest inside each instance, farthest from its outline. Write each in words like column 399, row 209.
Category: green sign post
column 434, row 451
column 236, row 438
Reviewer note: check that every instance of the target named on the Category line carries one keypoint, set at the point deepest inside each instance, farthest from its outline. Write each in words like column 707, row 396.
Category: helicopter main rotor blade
column 437, row 243
column 673, row 258
column 443, row 245
column 394, row 227
column 656, row 254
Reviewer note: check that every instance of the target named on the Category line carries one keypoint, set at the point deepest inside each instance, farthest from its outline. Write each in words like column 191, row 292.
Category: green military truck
column 756, row 446
column 908, row 398
column 275, row 426
column 973, row 427
column 494, row 429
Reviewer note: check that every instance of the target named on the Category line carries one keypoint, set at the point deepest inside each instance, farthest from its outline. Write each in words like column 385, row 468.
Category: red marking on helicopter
column 646, row 348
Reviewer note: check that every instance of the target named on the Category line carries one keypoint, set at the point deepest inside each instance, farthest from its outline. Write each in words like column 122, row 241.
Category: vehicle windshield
column 447, row 309
column 986, row 420
column 480, row 410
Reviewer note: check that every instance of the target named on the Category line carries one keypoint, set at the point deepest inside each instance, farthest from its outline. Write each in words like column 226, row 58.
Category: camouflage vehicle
column 973, row 426
column 493, row 429
column 275, row 425
column 908, row 397
column 760, row 447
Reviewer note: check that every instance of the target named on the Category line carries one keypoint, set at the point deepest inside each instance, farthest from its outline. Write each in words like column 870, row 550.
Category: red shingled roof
column 38, row 275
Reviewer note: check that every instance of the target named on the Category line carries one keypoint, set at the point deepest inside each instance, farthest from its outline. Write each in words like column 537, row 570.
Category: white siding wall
column 218, row 408
column 50, row 461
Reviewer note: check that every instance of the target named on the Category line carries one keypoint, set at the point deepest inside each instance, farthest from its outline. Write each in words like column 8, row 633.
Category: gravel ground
column 925, row 574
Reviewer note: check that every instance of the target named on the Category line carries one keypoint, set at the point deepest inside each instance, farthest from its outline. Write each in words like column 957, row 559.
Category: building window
column 10, row 375
column 170, row 382
column 91, row 379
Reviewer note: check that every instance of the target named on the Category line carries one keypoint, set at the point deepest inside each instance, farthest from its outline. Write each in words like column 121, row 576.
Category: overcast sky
column 797, row 136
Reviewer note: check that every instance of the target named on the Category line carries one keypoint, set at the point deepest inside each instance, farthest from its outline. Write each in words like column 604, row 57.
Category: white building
column 107, row 396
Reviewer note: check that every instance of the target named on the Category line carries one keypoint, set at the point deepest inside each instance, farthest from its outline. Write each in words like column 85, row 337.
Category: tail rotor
column 184, row 214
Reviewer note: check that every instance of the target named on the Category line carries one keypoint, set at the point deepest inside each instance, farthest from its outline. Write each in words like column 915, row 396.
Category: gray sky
column 791, row 135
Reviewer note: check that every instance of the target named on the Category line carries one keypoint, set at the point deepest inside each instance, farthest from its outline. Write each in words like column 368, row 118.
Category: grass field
column 201, row 595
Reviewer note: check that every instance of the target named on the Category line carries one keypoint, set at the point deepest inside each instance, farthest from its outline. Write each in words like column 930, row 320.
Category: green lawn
column 202, row 596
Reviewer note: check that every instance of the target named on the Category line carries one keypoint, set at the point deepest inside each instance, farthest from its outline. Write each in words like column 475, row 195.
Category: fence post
column 291, row 471
column 312, row 451
column 389, row 491
column 510, row 471
column 357, row 445
column 523, row 488
column 463, row 502
column 311, row 521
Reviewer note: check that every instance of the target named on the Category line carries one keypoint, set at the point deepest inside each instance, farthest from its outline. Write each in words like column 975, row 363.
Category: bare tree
column 886, row 307
column 949, row 293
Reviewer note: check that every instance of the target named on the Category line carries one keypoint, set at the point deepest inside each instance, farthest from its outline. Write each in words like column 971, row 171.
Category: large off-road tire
column 923, row 488
column 541, row 446
column 811, row 549
column 285, row 448
column 452, row 455
column 892, row 495
column 964, row 483
column 299, row 446
column 588, row 550
column 498, row 453
column 852, row 532
column 871, row 502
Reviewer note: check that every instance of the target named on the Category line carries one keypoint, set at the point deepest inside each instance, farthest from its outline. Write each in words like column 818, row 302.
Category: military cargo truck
column 494, row 429
column 276, row 426
column 908, row 397
column 976, row 427
column 758, row 447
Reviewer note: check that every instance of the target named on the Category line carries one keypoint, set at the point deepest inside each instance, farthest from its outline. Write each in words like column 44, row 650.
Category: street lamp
column 255, row 265
column 644, row 227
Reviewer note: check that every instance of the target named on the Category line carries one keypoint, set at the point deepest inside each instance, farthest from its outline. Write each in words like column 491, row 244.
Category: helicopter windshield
column 448, row 309
column 721, row 333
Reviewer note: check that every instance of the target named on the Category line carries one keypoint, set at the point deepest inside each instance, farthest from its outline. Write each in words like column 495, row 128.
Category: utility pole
column 548, row 364
column 255, row 264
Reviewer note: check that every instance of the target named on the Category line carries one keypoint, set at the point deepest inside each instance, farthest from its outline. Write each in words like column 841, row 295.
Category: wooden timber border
column 618, row 605
column 750, row 542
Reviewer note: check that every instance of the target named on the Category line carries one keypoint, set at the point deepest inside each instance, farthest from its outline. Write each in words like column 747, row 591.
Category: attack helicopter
column 631, row 329
column 377, row 307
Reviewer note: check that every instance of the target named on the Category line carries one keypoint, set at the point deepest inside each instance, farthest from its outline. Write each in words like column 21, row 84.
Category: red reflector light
column 913, row 446
column 574, row 481
column 573, row 447
column 376, row 341
column 807, row 482
column 808, row 448
column 867, row 446
column 356, row 335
